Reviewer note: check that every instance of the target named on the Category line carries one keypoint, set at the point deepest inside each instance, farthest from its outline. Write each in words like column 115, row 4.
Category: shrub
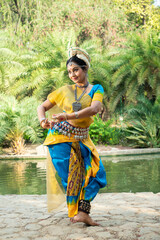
column 103, row 133
column 19, row 122
column 144, row 126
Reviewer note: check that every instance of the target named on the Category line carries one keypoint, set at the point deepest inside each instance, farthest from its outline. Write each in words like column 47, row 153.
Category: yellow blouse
column 63, row 99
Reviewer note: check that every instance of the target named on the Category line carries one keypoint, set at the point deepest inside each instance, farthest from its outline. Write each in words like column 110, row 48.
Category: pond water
column 139, row 174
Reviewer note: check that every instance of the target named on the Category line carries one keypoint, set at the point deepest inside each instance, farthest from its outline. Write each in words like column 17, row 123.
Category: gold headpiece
column 80, row 53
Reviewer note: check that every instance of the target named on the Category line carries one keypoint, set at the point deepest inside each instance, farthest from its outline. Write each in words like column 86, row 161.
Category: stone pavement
column 125, row 216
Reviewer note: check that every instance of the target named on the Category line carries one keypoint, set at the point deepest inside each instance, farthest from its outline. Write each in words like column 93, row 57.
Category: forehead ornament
column 72, row 63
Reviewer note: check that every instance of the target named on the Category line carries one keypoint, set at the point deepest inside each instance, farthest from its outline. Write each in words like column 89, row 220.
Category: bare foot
column 72, row 219
column 83, row 217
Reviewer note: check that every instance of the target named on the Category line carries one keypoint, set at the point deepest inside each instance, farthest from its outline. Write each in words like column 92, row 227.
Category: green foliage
column 102, row 132
column 34, row 64
column 32, row 19
column 136, row 70
column 9, row 68
column 45, row 67
column 33, row 53
column 144, row 125
column 19, row 122
column 141, row 12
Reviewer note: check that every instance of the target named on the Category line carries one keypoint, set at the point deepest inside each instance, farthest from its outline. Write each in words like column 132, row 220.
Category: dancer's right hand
column 46, row 124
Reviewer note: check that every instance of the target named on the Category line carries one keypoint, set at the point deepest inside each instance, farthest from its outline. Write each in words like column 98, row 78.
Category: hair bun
column 80, row 53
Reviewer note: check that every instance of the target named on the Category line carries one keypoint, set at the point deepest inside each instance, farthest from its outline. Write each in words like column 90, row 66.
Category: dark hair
column 78, row 61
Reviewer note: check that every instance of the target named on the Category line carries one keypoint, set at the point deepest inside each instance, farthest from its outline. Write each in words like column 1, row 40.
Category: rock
column 32, row 227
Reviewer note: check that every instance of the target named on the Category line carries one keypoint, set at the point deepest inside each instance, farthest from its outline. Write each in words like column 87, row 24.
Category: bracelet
column 42, row 120
column 76, row 115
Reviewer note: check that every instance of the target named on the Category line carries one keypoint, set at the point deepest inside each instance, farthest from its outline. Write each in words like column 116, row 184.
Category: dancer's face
column 77, row 74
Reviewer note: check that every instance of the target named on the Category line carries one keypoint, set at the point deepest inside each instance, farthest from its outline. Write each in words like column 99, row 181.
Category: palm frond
column 142, row 75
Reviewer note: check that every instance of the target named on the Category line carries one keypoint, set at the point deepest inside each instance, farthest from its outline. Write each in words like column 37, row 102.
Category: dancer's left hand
column 59, row 117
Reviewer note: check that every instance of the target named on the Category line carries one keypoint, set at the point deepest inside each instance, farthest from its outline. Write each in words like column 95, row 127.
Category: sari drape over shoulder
column 77, row 162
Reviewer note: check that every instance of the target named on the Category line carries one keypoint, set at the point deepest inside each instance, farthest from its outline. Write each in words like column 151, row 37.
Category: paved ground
column 125, row 216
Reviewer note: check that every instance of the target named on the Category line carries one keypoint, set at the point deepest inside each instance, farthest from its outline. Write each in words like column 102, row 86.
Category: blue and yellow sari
column 76, row 162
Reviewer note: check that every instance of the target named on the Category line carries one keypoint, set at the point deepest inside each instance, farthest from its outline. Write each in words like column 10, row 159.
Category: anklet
column 84, row 206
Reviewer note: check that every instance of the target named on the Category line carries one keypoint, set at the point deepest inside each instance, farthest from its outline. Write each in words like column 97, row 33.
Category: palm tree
column 45, row 67
column 100, row 73
column 136, row 70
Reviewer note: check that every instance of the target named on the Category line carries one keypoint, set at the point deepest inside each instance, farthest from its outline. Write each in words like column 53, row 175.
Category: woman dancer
column 73, row 154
